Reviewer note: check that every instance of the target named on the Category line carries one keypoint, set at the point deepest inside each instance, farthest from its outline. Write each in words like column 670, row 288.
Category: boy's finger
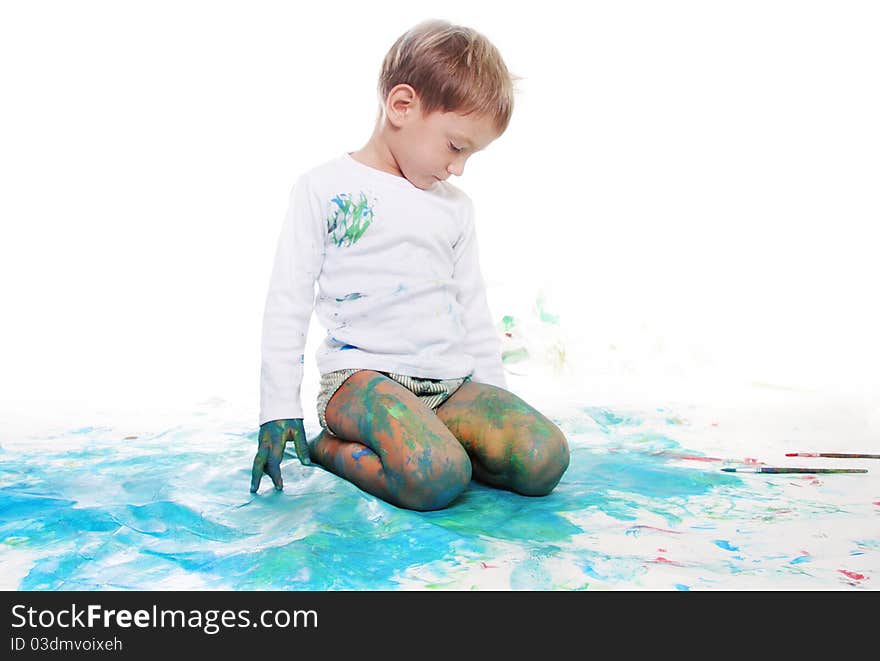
column 259, row 467
column 302, row 449
column 273, row 468
column 256, row 476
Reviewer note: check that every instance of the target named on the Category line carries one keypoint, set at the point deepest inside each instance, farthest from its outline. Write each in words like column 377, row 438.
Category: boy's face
column 428, row 148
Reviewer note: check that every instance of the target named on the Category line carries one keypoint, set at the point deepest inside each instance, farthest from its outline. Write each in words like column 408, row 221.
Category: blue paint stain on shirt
column 350, row 297
column 346, row 347
column 681, row 587
column 800, row 559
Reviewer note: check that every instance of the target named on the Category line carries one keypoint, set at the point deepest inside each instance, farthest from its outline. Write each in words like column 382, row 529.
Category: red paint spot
column 852, row 574
column 640, row 526
column 661, row 550
column 661, row 560
column 509, row 334
column 876, row 502
column 694, row 457
column 485, row 566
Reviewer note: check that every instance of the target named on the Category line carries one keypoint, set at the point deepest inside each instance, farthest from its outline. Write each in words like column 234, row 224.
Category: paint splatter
column 357, row 454
column 690, row 457
column 348, row 220
column 534, row 340
column 515, row 356
column 543, row 315
column 852, row 574
column 635, row 530
column 724, row 544
column 608, row 418
column 351, row 297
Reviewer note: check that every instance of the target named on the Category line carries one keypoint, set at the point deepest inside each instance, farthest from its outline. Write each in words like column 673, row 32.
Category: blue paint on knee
column 360, row 453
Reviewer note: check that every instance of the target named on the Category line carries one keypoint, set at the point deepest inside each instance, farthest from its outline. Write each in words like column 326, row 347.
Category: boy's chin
column 424, row 183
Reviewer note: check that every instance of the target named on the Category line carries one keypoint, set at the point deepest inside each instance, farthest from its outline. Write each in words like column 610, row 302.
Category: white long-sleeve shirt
column 399, row 285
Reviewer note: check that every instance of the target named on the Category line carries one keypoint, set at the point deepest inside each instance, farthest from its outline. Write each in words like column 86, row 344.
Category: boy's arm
column 481, row 338
column 288, row 309
column 289, row 303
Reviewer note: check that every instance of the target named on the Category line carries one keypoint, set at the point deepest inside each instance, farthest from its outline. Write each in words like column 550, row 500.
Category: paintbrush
column 787, row 469
column 834, row 455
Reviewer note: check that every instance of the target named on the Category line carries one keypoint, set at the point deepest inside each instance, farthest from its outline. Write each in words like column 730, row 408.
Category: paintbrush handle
column 834, row 455
column 787, row 469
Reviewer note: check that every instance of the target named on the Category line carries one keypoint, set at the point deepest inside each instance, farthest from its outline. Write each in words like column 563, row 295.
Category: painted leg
column 391, row 445
column 510, row 443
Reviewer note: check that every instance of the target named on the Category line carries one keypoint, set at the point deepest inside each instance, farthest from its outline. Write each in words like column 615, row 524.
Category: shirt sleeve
column 481, row 338
column 289, row 303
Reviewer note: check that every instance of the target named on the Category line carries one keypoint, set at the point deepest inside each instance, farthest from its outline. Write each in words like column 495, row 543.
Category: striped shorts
column 431, row 392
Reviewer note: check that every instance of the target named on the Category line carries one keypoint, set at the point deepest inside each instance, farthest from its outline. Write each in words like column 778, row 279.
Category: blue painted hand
column 273, row 438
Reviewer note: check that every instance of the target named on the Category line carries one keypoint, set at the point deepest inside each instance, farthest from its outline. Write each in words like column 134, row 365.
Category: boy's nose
column 456, row 168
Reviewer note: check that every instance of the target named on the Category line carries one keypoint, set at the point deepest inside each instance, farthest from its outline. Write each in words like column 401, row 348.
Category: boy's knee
column 448, row 479
column 542, row 459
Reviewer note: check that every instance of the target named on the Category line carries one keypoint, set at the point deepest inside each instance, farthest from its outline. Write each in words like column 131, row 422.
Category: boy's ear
column 402, row 103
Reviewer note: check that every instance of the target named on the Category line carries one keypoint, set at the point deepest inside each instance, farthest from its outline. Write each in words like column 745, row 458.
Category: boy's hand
column 273, row 438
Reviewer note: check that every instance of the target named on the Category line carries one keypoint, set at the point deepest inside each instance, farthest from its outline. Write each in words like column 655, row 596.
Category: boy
column 413, row 400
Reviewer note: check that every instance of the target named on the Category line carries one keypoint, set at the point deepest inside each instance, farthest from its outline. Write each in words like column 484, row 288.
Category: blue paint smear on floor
column 171, row 510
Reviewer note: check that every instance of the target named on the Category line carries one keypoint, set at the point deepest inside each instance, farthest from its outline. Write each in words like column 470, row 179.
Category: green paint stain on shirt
column 349, row 219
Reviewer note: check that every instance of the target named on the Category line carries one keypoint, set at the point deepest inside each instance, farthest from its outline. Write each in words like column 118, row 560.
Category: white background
column 693, row 185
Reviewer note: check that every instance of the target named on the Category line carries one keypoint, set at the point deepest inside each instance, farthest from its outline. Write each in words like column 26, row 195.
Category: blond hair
column 453, row 69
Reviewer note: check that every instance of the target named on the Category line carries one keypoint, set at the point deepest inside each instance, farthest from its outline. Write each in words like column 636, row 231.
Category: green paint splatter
column 514, row 355
column 349, row 220
column 15, row 540
column 543, row 315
